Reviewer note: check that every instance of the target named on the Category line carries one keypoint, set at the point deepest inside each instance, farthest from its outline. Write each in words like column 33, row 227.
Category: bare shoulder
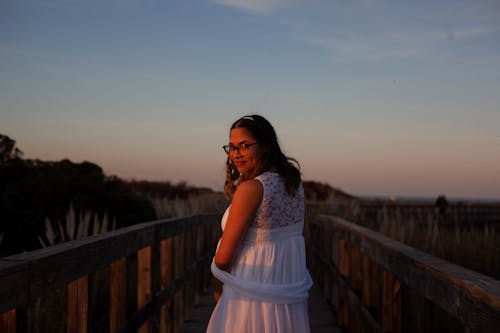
column 249, row 192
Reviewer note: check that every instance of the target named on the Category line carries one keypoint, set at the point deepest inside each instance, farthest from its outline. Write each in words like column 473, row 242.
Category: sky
column 374, row 97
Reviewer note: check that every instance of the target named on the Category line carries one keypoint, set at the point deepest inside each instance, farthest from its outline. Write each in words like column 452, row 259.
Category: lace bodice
column 278, row 208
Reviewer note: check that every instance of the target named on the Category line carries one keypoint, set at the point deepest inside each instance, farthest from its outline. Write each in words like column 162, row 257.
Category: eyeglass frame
column 241, row 148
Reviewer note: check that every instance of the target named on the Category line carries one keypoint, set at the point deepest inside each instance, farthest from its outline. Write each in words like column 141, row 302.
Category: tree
column 8, row 149
column 32, row 191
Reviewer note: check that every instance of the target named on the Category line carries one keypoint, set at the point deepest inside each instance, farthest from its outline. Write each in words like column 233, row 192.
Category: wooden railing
column 376, row 284
column 156, row 271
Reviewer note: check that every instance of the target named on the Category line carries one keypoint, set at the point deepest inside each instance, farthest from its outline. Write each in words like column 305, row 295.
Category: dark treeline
column 32, row 191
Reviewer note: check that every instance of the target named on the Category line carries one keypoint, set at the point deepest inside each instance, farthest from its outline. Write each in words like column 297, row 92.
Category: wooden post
column 391, row 303
column 155, row 282
column 207, row 245
column 344, row 273
column 78, row 306
column 421, row 313
column 167, row 272
column 144, row 281
column 199, row 252
column 335, row 259
column 189, row 250
column 8, row 321
column 354, row 285
column 354, row 269
column 117, row 294
column 131, row 304
column 178, row 271
column 370, row 292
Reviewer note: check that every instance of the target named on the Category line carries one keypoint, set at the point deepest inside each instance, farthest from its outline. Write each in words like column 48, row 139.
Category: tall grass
column 75, row 226
column 474, row 246
column 204, row 203
column 471, row 245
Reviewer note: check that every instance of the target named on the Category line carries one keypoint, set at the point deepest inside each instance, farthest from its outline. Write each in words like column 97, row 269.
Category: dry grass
column 468, row 245
column 471, row 245
column 75, row 227
column 195, row 204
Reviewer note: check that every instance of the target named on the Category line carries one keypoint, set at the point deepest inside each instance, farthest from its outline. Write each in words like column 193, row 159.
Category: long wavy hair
column 272, row 157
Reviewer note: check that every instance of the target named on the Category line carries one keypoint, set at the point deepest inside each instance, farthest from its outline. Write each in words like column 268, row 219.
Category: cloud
column 364, row 48
column 375, row 47
column 257, row 7
column 54, row 4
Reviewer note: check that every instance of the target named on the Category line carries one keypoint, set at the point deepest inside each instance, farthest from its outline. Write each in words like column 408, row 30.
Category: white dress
column 268, row 286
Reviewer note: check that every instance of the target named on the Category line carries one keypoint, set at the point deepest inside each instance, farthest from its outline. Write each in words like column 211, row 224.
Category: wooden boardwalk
column 320, row 316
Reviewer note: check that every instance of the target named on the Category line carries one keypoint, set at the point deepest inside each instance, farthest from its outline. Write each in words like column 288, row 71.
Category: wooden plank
column 355, row 286
column 14, row 284
column 420, row 313
column 179, row 255
column 355, row 269
column 371, row 299
column 327, row 253
column 56, row 266
column 155, row 283
column 143, row 281
column 391, row 303
column 177, row 304
column 77, row 320
column 177, row 313
column 8, row 321
column 131, row 303
column 335, row 298
column 344, row 273
column 199, row 252
column 343, row 258
column 118, row 294
column 167, row 272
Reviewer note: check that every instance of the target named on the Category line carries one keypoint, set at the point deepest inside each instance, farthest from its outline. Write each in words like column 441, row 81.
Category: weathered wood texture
column 155, row 271
column 371, row 270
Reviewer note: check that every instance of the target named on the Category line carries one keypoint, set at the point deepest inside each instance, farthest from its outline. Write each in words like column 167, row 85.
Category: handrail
column 152, row 260
column 364, row 275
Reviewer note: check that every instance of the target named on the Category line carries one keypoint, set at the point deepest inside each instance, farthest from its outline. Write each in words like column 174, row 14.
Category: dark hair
column 272, row 157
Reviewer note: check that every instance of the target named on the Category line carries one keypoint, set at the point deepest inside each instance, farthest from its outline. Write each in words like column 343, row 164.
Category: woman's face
column 245, row 152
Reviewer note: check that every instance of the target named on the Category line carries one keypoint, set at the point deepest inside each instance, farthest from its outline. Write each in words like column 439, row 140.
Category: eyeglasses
column 242, row 147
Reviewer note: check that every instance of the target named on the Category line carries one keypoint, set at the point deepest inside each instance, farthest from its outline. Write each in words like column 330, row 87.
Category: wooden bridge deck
column 320, row 315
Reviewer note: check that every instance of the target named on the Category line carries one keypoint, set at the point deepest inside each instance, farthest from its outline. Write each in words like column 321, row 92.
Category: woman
column 260, row 277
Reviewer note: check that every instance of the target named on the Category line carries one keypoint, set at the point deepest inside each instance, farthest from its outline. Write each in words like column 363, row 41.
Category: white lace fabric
column 278, row 208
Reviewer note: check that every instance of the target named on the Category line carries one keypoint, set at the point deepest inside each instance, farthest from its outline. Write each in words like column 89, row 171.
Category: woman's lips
column 239, row 163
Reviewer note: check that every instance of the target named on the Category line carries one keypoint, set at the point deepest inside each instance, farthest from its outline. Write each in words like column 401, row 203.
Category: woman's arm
column 246, row 201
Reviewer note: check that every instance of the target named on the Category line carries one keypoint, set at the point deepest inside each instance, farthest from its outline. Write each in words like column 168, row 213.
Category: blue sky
column 374, row 97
